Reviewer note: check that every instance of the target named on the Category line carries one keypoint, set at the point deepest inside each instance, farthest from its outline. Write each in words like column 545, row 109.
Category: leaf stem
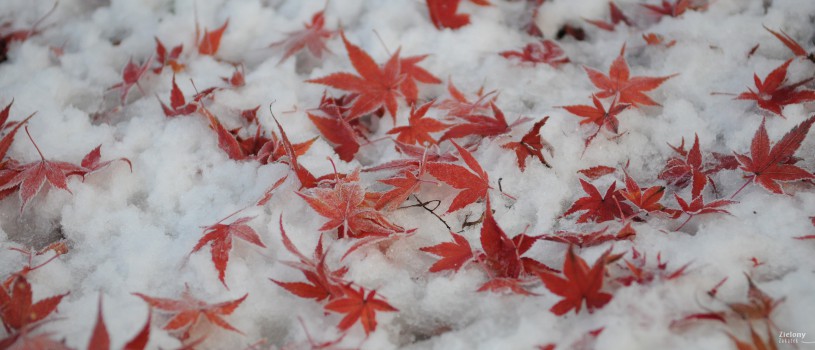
column 742, row 187
column 690, row 216
column 230, row 215
column 32, row 141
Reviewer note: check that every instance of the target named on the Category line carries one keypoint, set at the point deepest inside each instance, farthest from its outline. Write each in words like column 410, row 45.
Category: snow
column 133, row 231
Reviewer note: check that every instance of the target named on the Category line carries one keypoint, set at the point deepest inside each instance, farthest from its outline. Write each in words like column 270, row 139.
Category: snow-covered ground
column 133, row 231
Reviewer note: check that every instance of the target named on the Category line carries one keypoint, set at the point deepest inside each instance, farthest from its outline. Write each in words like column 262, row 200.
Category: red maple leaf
column 598, row 115
column 346, row 208
column 312, row 37
column 272, row 149
column 531, row 145
column 482, row 125
column 219, row 237
column 336, row 126
column 597, row 207
column 545, row 51
column 653, row 39
column 9, row 35
column 30, row 178
column 188, row 310
column 257, row 146
column 617, row 16
column 415, row 155
column 757, row 342
column 759, row 305
column 130, row 76
column 638, row 272
column 772, row 95
column 443, row 14
column 413, row 73
column 453, row 255
column 100, row 339
column 581, row 283
column 584, row 240
column 59, row 248
column 8, row 139
column 18, row 310
column 459, row 105
column 499, row 285
column 698, row 206
column 597, row 172
column 812, row 220
column 323, row 283
column 376, row 87
column 164, row 58
column 404, row 184
column 178, row 104
column 473, row 182
column 531, row 26
column 211, row 41
column 359, row 306
column 688, row 167
column 768, row 166
column 646, row 199
column 667, row 8
column 420, row 127
column 92, row 161
column 790, row 43
column 620, row 83
column 237, row 79
column 226, row 140
column 27, row 341
column 503, row 257
column 306, row 178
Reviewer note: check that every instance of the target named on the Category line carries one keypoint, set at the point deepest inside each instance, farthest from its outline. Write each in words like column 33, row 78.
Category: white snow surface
column 133, row 231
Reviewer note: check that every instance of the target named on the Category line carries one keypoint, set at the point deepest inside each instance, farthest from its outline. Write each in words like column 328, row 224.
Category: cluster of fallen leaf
column 436, row 140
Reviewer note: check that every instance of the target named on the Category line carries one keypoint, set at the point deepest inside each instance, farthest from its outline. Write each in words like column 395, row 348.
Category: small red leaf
column 211, row 41
column 453, row 255
column 531, row 145
column 597, row 172
column 772, row 94
column 618, row 82
column 219, row 237
column 359, row 306
column 312, row 37
column 581, row 282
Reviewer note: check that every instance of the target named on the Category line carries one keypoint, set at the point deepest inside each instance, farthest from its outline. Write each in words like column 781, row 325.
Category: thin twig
column 431, row 211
